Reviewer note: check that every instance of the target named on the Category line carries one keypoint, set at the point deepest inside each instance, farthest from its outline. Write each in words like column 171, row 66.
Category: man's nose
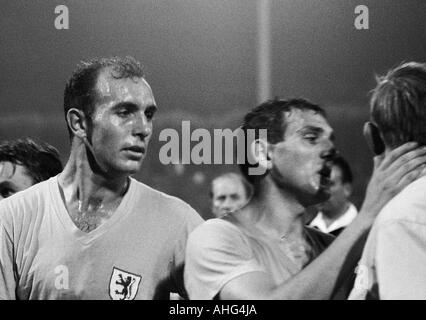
column 228, row 204
column 329, row 151
column 142, row 126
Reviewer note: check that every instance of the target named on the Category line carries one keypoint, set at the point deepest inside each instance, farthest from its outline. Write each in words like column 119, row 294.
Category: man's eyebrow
column 317, row 130
column 311, row 128
column 132, row 106
column 127, row 105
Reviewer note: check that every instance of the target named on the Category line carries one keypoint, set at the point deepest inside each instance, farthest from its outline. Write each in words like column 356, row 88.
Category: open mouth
column 325, row 174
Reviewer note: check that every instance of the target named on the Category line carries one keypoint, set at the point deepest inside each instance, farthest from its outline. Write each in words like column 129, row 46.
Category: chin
column 133, row 169
column 128, row 168
column 325, row 195
column 318, row 198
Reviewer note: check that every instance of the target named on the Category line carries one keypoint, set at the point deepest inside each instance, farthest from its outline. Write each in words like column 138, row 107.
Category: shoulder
column 218, row 226
column 217, row 252
column 32, row 193
column 27, row 198
column 407, row 206
column 218, row 234
column 22, row 207
column 164, row 204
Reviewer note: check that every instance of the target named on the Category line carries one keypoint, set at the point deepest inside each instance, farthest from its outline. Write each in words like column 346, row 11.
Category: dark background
column 200, row 59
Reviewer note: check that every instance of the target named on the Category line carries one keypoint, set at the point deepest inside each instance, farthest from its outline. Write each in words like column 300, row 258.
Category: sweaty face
column 228, row 196
column 121, row 125
column 339, row 193
column 13, row 178
column 301, row 163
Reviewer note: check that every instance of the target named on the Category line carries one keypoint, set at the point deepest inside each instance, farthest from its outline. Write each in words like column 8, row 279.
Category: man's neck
column 88, row 194
column 276, row 212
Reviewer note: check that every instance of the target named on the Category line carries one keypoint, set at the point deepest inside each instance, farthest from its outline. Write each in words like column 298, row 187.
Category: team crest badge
column 123, row 285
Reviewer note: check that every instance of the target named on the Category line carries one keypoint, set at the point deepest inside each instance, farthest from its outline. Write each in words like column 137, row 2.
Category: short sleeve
column 216, row 253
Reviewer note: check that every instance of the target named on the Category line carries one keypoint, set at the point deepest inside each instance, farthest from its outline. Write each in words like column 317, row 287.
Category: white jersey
column 137, row 254
column 393, row 264
column 219, row 251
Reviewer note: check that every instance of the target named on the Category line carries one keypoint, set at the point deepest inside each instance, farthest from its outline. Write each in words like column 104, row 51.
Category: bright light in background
column 263, row 50
column 198, row 177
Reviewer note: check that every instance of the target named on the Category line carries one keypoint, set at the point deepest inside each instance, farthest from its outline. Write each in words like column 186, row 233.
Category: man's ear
column 77, row 123
column 261, row 153
column 374, row 140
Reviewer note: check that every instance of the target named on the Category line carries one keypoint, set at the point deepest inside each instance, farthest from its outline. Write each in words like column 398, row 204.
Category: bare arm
column 319, row 279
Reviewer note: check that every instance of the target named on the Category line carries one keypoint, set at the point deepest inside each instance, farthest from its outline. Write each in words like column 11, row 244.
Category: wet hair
column 398, row 104
column 344, row 167
column 40, row 160
column 270, row 116
column 80, row 90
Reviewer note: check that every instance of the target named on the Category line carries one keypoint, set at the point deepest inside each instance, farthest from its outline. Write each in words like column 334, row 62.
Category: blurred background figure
column 229, row 192
column 337, row 212
column 24, row 162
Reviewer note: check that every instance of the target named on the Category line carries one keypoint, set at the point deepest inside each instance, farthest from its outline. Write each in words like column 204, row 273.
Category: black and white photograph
column 214, row 150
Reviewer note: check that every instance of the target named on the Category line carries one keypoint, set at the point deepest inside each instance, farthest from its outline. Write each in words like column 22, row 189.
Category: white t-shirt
column 219, row 251
column 393, row 263
column 137, row 254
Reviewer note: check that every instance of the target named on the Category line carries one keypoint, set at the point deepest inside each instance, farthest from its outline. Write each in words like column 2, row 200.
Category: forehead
column 15, row 173
column 134, row 90
column 227, row 185
column 297, row 120
column 7, row 170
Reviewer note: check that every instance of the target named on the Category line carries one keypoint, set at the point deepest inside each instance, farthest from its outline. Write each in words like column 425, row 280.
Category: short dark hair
column 270, row 116
column 80, row 90
column 41, row 160
column 344, row 167
column 398, row 104
column 232, row 175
